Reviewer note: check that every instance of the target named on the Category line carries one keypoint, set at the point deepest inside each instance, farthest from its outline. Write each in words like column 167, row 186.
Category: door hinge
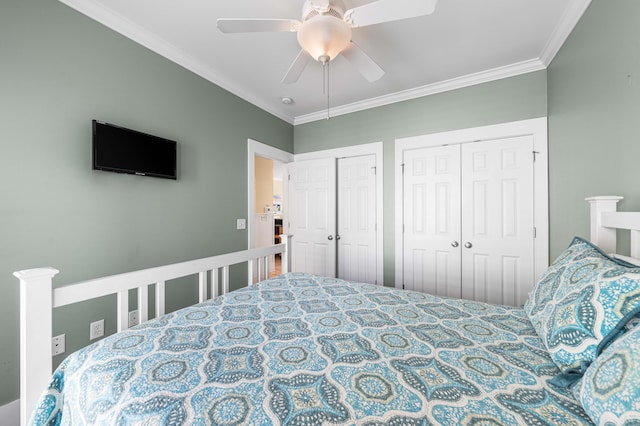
column 534, row 155
column 289, row 177
column 535, row 232
column 403, row 286
column 375, row 170
column 402, row 165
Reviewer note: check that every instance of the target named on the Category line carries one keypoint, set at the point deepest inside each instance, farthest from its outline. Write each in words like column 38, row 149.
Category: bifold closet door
column 356, row 235
column 497, row 220
column 333, row 217
column 431, row 248
column 468, row 220
column 312, row 197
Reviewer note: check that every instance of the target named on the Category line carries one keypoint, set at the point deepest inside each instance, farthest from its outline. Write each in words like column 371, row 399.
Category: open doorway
column 269, row 199
column 267, row 195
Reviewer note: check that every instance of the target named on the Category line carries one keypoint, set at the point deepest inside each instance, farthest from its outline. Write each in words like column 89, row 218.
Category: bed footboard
column 38, row 298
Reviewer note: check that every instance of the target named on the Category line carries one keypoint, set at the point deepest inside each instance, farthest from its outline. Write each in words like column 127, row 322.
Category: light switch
column 241, row 224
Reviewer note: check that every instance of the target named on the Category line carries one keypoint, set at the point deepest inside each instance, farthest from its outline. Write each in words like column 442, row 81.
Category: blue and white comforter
column 304, row 350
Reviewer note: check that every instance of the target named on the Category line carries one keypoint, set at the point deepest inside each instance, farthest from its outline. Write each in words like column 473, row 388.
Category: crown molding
column 430, row 89
column 121, row 25
column 567, row 23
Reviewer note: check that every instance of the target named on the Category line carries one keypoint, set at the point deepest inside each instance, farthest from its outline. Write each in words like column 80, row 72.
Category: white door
column 357, row 229
column 312, row 197
column 432, row 220
column 497, row 221
column 468, row 219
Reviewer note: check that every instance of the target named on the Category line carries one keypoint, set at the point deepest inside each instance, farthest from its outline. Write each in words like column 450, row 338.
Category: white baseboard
column 10, row 413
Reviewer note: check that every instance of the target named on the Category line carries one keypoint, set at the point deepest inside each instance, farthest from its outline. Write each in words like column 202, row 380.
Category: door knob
column 468, row 245
column 337, row 237
column 330, row 237
column 454, row 244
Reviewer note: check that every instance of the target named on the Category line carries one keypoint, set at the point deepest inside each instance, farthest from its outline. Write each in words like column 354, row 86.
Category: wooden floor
column 278, row 268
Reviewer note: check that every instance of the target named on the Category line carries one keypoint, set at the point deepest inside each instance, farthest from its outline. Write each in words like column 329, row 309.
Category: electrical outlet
column 96, row 329
column 134, row 318
column 58, row 345
column 241, row 224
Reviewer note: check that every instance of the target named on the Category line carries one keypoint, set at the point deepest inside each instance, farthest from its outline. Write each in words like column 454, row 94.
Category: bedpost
column 603, row 237
column 36, row 302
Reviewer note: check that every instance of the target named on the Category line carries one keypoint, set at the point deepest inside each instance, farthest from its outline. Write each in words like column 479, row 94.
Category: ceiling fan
column 325, row 31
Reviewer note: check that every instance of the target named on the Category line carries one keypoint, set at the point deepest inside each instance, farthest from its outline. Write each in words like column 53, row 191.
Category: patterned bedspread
column 305, row 350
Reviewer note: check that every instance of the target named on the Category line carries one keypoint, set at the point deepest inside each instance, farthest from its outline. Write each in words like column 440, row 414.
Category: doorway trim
column 374, row 148
column 259, row 149
column 536, row 127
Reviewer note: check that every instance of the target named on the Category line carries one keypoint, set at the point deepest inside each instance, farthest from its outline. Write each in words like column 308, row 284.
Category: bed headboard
column 606, row 220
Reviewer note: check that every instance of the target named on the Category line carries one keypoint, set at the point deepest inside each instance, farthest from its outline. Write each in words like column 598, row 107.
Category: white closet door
column 357, row 219
column 313, row 216
column 497, row 220
column 431, row 204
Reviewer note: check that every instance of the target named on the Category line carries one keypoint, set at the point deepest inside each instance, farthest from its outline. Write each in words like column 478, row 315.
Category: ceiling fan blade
column 363, row 63
column 231, row 25
column 296, row 68
column 381, row 11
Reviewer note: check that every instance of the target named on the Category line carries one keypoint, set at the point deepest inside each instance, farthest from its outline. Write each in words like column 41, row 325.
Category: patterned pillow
column 580, row 304
column 610, row 391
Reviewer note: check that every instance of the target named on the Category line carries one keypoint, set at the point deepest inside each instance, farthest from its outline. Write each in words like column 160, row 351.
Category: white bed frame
column 606, row 220
column 38, row 298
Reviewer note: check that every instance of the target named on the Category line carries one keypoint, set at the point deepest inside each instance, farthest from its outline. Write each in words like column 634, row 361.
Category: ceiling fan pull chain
column 324, row 60
column 324, row 78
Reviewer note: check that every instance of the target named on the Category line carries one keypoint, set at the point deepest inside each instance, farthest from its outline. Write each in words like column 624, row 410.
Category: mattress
column 300, row 349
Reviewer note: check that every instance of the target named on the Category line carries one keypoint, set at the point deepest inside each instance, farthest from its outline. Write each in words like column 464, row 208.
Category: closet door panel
column 357, row 219
column 313, row 218
column 431, row 214
column 497, row 220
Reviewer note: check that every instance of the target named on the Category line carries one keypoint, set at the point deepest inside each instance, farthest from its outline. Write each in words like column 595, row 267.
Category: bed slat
column 635, row 244
column 123, row 310
column 202, row 286
column 215, row 281
column 225, row 279
column 143, row 304
column 160, row 288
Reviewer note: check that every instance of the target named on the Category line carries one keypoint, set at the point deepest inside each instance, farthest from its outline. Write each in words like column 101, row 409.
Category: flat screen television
column 121, row 150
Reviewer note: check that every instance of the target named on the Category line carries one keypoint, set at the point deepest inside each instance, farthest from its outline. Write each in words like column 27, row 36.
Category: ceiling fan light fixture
column 324, row 35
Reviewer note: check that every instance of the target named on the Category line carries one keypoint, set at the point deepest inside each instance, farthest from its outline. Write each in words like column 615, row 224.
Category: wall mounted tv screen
column 121, row 150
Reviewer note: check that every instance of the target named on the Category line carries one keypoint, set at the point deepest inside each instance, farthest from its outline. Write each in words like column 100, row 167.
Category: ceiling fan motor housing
column 324, row 34
column 313, row 8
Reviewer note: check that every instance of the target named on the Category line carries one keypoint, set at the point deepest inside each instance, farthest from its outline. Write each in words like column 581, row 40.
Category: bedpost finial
column 30, row 274
column 599, row 198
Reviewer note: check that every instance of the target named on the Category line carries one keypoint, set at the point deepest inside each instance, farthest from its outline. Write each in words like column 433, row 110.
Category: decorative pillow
column 610, row 391
column 580, row 304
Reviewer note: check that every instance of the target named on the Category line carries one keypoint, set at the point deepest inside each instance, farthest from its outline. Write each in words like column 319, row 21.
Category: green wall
column 594, row 110
column 511, row 99
column 60, row 69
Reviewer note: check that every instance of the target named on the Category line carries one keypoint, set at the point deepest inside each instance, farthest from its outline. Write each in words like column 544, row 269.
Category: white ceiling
column 463, row 42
